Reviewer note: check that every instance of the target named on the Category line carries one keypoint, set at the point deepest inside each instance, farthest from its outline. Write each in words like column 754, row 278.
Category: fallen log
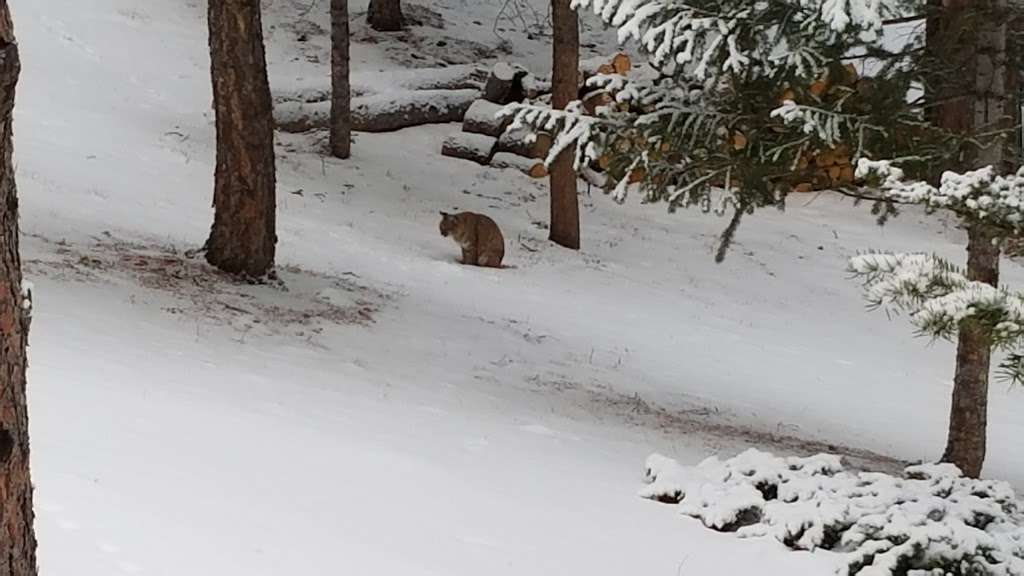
column 519, row 142
column 532, row 167
column 395, row 110
column 468, row 146
column 295, row 117
column 461, row 77
column 482, row 118
column 383, row 112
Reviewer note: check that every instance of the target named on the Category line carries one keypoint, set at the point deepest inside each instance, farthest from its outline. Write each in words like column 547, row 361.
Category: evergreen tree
column 748, row 91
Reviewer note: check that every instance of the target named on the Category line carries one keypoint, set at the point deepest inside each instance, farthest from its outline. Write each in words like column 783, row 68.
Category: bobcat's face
column 448, row 224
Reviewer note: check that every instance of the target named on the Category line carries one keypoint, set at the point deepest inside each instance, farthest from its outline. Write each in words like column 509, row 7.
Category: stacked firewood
column 831, row 167
column 486, row 139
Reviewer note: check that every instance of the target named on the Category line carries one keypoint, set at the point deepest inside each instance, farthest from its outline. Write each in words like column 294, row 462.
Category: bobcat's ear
column 443, row 213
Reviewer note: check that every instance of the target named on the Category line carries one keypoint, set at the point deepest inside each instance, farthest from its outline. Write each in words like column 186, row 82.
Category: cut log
column 396, row 110
column 482, row 118
column 380, row 112
column 529, row 166
column 621, row 63
column 534, row 86
column 539, row 170
column 476, row 147
column 518, row 142
column 594, row 66
column 595, row 100
column 500, row 83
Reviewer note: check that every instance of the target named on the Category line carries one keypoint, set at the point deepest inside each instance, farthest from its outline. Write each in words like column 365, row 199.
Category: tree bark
column 341, row 89
column 17, row 535
column 385, row 15
column 968, row 413
column 976, row 92
column 243, row 236
column 565, row 216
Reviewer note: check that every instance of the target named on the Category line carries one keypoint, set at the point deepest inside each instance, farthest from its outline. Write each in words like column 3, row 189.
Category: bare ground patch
column 298, row 302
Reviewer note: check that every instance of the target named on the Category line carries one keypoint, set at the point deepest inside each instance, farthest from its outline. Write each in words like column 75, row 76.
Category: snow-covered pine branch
column 939, row 298
column 712, row 38
column 570, row 127
column 980, row 195
column 932, row 520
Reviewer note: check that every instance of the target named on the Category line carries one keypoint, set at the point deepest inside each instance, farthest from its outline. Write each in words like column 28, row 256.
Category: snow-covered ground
column 393, row 412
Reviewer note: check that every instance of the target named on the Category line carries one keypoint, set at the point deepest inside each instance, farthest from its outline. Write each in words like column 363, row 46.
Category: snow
column 389, row 411
column 930, row 519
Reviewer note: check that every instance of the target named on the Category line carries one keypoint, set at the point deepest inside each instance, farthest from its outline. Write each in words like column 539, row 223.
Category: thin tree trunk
column 385, row 15
column 243, row 236
column 565, row 215
column 17, row 536
column 341, row 92
column 968, row 413
column 978, row 91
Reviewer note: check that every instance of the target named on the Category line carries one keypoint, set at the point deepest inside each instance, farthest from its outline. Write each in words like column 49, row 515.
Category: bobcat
column 480, row 238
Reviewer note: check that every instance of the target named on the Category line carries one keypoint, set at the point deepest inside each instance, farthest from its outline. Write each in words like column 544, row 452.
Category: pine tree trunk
column 968, row 413
column 341, row 93
column 385, row 15
column 976, row 93
column 243, row 236
column 17, row 535
column 565, row 215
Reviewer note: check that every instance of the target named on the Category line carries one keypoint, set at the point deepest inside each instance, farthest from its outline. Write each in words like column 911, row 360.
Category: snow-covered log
column 535, row 86
column 462, row 77
column 532, row 167
column 482, row 118
column 476, row 147
column 391, row 111
column 519, row 142
column 504, row 85
column 294, row 116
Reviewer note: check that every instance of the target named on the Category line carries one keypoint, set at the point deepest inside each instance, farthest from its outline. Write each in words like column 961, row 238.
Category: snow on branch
column 939, row 298
column 571, row 128
column 712, row 37
column 980, row 195
column 932, row 520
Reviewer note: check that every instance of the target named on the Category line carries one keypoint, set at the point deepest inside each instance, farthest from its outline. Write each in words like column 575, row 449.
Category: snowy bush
column 931, row 521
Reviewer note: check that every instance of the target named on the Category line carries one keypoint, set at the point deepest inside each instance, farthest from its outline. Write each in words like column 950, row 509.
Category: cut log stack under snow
column 518, row 149
column 832, row 167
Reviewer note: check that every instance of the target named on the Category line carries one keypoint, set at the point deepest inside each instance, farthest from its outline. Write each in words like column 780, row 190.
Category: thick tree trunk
column 385, row 15
column 243, row 236
column 975, row 92
column 17, row 536
column 565, row 215
column 341, row 90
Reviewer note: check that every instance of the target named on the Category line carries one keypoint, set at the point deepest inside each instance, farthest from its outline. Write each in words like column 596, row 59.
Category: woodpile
column 832, row 167
column 486, row 139
column 824, row 170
